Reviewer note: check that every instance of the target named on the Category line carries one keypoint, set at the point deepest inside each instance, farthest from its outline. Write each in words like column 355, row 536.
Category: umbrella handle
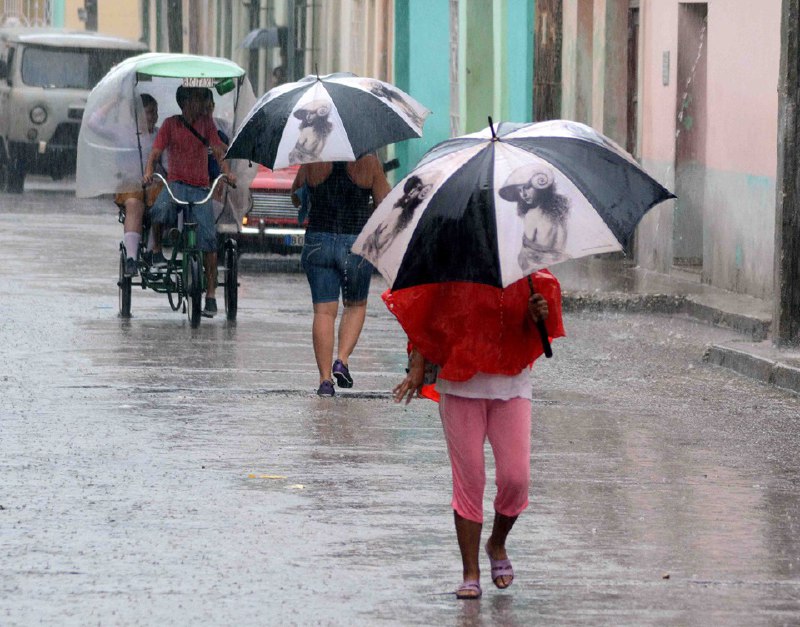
column 548, row 350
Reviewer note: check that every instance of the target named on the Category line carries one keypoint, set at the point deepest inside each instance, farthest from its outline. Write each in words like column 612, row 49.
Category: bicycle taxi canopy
column 114, row 142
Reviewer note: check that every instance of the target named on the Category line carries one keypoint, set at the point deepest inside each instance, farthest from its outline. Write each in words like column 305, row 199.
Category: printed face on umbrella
column 401, row 215
column 543, row 212
column 313, row 132
column 286, row 125
column 411, row 110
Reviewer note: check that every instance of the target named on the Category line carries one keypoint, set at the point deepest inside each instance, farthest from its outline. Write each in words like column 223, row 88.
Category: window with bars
column 27, row 13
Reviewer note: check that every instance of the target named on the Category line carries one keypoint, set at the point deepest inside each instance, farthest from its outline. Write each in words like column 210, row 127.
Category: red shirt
column 187, row 155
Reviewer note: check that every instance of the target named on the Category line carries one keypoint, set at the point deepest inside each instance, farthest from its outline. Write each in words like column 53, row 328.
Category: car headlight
column 38, row 115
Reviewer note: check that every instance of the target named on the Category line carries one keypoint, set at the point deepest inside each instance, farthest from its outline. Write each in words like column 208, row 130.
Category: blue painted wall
column 495, row 72
column 422, row 68
column 57, row 7
column 519, row 62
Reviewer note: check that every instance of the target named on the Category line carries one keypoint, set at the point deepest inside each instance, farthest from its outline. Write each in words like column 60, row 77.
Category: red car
column 271, row 224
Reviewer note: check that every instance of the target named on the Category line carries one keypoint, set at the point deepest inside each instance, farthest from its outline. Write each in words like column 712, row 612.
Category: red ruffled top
column 470, row 327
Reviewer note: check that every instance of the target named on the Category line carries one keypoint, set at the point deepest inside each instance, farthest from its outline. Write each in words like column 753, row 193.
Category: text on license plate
column 294, row 240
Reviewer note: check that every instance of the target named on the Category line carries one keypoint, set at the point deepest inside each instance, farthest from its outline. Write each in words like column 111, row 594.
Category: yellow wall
column 114, row 17
column 120, row 17
column 71, row 14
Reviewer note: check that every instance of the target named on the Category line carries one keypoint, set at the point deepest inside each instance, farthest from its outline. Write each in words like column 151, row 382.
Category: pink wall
column 735, row 184
column 743, row 61
column 743, row 67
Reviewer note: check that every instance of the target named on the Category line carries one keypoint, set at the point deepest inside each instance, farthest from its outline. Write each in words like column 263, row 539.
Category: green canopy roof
column 189, row 66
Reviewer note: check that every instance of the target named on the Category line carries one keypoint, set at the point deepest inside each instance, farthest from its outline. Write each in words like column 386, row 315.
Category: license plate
column 294, row 240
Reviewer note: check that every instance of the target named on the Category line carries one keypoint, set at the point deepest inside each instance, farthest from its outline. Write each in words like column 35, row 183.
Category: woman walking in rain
column 496, row 404
column 339, row 195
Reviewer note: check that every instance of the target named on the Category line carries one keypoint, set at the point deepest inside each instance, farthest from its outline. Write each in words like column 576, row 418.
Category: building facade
column 465, row 60
column 691, row 88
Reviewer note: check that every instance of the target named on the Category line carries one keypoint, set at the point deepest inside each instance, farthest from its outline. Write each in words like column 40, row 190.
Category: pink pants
column 467, row 423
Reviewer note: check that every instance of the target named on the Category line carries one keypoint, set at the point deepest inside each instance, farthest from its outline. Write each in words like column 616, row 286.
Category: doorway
column 690, row 137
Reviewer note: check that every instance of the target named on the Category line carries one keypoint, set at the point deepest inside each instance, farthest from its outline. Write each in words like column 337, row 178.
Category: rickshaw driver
column 188, row 176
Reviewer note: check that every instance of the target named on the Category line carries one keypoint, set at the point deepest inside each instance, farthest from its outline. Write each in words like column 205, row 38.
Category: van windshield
column 79, row 68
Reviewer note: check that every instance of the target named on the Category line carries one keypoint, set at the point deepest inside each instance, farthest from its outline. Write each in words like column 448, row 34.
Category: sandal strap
column 469, row 586
column 501, row 568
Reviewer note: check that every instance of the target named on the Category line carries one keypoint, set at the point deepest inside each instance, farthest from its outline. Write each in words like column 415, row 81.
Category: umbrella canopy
column 113, row 144
column 261, row 38
column 497, row 205
column 338, row 117
column 463, row 239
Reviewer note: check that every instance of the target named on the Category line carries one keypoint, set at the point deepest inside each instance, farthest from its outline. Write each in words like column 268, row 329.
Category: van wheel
column 15, row 176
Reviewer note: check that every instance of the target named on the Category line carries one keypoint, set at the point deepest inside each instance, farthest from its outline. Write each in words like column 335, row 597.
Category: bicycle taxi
column 113, row 148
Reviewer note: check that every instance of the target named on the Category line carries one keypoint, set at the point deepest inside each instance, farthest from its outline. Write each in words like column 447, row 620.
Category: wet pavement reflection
column 155, row 474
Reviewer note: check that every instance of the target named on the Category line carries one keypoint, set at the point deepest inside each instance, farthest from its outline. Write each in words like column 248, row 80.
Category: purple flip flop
column 500, row 568
column 469, row 590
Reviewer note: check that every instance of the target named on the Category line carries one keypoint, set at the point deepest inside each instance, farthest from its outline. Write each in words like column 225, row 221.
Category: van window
column 68, row 67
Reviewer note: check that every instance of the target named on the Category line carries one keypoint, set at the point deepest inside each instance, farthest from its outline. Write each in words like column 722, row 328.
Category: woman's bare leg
column 322, row 333
column 468, row 533
column 350, row 328
column 496, row 545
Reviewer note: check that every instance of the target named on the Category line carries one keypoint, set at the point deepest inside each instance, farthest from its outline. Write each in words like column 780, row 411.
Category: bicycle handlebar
column 186, row 203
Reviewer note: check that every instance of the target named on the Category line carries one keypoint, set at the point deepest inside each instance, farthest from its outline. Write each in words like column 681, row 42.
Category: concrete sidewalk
column 611, row 284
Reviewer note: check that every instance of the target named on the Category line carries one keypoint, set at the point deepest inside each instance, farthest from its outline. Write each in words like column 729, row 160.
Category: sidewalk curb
column 754, row 327
column 762, row 369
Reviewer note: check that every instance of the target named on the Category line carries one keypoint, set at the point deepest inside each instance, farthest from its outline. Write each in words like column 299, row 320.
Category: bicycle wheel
column 194, row 292
column 231, row 279
column 124, row 284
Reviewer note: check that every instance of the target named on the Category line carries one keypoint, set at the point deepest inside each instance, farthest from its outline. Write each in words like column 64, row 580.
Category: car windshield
column 79, row 68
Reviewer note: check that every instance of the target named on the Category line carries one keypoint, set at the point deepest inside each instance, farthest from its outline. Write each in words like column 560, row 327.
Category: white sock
column 132, row 239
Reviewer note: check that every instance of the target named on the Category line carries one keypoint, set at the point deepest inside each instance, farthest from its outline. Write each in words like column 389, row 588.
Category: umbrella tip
column 316, row 70
column 491, row 127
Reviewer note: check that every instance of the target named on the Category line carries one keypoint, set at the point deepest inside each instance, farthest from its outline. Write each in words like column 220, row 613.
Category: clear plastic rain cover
column 114, row 141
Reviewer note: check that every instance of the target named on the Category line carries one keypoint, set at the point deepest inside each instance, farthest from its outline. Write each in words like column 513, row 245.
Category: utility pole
column 786, row 316
column 547, row 60
column 175, row 25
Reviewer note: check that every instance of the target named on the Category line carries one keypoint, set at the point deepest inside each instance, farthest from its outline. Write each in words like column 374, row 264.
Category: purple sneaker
column 326, row 388
column 342, row 374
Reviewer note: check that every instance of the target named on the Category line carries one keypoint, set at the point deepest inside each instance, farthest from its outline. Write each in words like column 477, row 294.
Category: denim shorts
column 165, row 211
column 332, row 269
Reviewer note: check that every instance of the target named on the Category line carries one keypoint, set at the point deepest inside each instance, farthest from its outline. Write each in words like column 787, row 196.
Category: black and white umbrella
column 494, row 206
column 338, row 117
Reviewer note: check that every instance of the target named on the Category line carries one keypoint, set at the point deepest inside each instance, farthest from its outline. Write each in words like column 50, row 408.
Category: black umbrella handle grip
column 548, row 350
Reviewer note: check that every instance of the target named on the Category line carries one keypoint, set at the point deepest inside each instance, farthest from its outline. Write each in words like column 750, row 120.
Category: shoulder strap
column 192, row 129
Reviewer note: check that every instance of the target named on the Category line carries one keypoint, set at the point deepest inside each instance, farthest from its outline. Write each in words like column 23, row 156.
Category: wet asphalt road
column 155, row 474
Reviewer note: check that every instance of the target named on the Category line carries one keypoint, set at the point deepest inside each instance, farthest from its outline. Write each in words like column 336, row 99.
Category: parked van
column 45, row 77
